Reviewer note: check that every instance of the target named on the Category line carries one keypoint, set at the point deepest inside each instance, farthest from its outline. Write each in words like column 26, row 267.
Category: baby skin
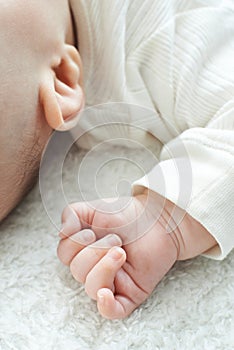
column 121, row 248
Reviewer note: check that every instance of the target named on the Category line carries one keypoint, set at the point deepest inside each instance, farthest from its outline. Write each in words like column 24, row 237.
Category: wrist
column 189, row 236
column 158, row 213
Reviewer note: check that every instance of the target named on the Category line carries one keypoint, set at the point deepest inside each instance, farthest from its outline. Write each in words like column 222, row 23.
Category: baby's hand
column 120, row 248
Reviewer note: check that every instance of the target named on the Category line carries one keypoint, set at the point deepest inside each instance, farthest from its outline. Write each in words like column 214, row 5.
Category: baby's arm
column 120, row 279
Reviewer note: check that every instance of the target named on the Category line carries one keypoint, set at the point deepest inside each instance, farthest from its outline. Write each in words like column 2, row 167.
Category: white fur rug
column 42, row 307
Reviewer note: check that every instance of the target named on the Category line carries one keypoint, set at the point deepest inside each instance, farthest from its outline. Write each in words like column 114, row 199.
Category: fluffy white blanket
column 42, row 307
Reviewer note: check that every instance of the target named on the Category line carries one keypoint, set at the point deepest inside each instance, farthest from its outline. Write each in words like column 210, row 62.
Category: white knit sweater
column 175, row 57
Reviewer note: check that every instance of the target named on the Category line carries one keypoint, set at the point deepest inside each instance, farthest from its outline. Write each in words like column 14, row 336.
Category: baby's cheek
column 12, row 187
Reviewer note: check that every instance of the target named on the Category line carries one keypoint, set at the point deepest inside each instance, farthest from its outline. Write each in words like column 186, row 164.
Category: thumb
column 76, row 217
column 98, row 215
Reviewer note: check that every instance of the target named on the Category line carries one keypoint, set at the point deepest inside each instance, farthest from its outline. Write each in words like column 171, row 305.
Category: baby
column 176, row 58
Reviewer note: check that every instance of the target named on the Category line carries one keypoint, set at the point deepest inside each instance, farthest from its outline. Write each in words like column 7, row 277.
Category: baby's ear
column 61, row 93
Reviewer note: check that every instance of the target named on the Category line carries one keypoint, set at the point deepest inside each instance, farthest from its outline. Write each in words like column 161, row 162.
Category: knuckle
column 70, row 210
column 103, row 221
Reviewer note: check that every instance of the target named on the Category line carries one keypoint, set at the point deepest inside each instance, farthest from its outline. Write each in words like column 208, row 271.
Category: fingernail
column 116, row 253
column 101, row 298
column 114, row 240
column 84, row 237
column 61, row 230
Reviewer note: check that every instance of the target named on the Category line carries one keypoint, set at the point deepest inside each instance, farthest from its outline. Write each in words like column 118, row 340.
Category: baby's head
column 40, row 88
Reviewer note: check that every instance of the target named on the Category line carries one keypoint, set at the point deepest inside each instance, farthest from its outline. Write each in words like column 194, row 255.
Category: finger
column 104, row 272
column 69, row 247
column 114, row 307
column 89, row 256
column 98, row 215
column 70, row 222
column 75, row 217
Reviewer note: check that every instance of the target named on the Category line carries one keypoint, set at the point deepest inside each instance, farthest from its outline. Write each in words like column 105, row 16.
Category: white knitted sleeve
column 196, row 168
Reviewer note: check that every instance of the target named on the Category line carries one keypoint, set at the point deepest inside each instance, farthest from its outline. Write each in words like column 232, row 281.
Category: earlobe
column 61, row 92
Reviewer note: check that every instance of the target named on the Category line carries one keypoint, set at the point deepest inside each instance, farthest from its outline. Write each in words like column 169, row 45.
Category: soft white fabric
column 43, row 307
column 176, row 58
